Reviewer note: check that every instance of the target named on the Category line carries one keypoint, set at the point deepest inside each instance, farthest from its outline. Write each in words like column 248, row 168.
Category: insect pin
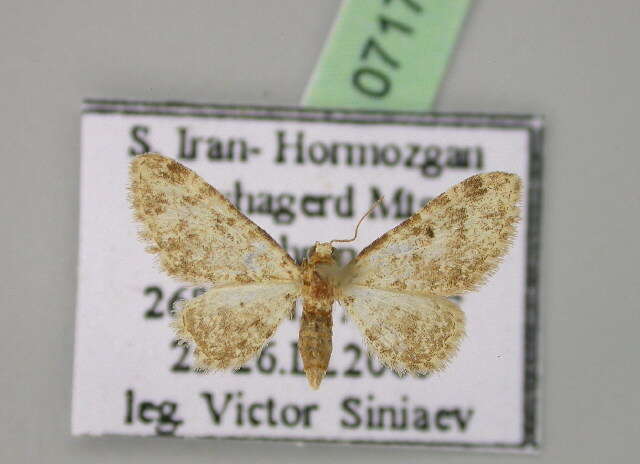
column 395, row 290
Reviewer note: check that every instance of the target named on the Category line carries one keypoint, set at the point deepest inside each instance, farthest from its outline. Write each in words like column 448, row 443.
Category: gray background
column 576, row 62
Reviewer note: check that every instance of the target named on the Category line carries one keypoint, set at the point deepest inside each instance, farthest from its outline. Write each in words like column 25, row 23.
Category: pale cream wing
column 198, row 235
column 450, row 246
column 409, row 333
column 230, row 325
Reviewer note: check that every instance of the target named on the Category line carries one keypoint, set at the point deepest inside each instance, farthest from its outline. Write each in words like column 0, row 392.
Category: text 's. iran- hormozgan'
column 395, row 290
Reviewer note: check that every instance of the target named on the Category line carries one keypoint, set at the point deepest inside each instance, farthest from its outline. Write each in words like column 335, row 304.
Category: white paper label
column 303, row 176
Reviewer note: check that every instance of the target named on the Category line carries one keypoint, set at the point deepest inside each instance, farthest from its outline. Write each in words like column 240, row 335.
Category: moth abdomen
column 314, row 343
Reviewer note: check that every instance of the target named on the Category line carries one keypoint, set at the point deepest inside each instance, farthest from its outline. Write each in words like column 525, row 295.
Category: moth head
column 321, row 252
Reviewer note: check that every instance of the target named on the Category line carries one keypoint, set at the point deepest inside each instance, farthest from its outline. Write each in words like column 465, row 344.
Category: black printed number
column 374, row 77
column 152, row 312
column 352, row 370
column 181, row 364
column 371, row 82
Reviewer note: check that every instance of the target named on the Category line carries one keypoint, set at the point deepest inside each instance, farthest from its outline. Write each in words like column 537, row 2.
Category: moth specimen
column 395, row 290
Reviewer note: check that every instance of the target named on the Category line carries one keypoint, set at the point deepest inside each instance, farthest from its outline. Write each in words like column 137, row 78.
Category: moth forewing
column 197, row 234
column 450, row 246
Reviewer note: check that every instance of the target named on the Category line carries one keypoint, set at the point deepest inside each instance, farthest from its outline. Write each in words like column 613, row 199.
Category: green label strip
column 386, row 54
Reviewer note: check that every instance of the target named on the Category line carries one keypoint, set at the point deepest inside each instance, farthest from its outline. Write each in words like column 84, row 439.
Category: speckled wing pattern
column 450, row 246
column 394, row 288
column 201, row 238
column 409, row 333
column 229, row 325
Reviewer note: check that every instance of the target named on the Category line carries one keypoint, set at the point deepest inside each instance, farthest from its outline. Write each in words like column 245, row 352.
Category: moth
column 395, row 290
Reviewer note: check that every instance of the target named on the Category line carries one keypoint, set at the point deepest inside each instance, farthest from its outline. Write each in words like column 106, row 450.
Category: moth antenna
column 355, row 235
